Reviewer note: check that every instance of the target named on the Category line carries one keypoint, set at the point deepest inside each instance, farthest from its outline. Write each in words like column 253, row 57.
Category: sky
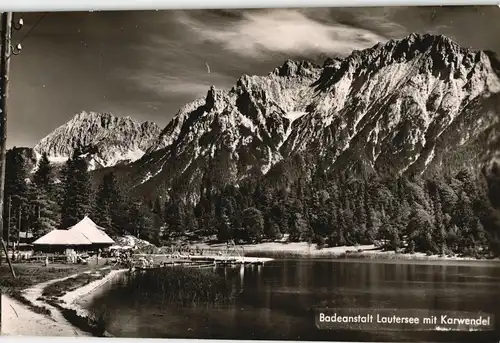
column 148, row 64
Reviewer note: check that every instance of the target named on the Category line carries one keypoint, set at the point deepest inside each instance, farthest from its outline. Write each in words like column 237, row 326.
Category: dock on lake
column 230, row 260
column 201, row 261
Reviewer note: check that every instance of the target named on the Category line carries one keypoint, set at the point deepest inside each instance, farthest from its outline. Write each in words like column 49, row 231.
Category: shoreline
column 298, row 250
column 77, row 315
column 19, row 320
column 68, row 317
column 70, row 299
column 63, row 316
column 31, row 323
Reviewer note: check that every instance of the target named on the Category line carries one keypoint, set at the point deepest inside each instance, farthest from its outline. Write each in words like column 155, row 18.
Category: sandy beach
column 306, row 250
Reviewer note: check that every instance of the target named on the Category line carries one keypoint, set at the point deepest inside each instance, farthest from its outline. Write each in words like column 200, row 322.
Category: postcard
column 265, row 174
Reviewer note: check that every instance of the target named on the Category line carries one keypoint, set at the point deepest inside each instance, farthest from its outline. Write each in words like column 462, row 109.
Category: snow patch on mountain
column 293, row 115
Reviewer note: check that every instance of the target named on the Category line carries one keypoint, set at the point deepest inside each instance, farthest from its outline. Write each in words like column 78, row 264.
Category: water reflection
column 277, row 301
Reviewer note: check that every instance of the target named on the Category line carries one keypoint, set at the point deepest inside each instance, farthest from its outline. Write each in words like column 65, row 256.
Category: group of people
column 122, row 257
column 20, row 255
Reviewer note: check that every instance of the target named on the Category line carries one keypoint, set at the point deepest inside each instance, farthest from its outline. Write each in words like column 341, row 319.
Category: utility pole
column 4, row 89
column 20, row 219
column 8, row 220
column 6, row 51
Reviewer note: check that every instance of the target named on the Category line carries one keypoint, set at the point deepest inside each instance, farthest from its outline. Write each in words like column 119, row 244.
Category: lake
column 277, row 300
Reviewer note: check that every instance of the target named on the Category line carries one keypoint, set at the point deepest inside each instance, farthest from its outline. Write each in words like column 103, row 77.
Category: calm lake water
column 277, row 301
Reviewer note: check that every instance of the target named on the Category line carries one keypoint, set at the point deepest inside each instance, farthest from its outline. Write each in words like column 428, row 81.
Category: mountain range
column 422, row 104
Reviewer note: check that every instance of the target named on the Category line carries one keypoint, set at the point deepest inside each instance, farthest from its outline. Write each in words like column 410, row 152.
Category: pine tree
column 17, row 190
column 225, row 217
column 45, row 216
column 175, row 216
column 320, row 224
column 253, row 225
column 158, row 208
column 77, row 191
column 140, row 221
column 420, row 228
column 440, row 234
column 273, row 231
column 299, row 230
column 109, row 204
column 463, row 217
column 44, row 174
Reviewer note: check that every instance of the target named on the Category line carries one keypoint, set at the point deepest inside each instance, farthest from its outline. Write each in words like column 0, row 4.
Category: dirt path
column 19, row 320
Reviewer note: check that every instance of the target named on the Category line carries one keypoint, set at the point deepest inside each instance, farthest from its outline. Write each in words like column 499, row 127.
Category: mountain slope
column 105, row 140
column 401, row 107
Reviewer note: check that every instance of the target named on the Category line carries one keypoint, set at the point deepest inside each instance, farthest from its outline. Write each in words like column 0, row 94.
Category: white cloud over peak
column 282, row 31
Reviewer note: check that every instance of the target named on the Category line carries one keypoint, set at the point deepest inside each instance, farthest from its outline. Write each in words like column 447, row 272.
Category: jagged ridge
column 106, row 140
column 399, row 107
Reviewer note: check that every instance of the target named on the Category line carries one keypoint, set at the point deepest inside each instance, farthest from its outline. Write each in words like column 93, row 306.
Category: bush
column 320, row 242
column 60, row 288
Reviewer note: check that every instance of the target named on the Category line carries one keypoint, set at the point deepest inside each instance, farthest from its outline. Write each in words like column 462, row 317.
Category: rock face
column 421, row 104
column 410, row 106
column 104, row 139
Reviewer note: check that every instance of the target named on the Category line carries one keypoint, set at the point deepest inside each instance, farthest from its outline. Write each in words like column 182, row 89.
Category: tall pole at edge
column 6, row 35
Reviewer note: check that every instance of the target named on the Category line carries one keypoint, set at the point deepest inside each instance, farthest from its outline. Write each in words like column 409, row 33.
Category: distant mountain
column 104, row 139
column 314, row 151
column 410, row 106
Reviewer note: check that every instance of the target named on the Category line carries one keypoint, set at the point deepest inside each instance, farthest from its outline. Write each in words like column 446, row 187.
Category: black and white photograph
column 306, row 174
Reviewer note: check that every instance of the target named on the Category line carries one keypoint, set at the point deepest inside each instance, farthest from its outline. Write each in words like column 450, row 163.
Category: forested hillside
column 439, row 215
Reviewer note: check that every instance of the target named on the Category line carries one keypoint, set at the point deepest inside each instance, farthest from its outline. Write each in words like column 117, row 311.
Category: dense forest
column 55, row 197
column 453, row 214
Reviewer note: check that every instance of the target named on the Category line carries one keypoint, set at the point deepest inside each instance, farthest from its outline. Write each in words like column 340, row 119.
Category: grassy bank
column 183, row 286
column 60, row 288
column 29, row 275
column 54, row 294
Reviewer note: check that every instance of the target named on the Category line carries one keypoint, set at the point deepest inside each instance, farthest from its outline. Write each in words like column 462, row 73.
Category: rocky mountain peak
column 104, row 138
column 414, row 47
column 293, row 68
column 214, row 97
column 398, row 107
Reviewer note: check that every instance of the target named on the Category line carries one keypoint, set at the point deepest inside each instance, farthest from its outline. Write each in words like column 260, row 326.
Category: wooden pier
column 231, row 260
column 209, row 261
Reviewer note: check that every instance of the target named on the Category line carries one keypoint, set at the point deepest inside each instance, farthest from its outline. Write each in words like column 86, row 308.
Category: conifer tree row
column 77, row 197
column 456, row 214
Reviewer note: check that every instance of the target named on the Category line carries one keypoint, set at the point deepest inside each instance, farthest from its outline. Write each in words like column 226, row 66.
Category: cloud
column 379, row 19
column 168, row 67
column 259, row 33
column 171, row 61
column 171, row 85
